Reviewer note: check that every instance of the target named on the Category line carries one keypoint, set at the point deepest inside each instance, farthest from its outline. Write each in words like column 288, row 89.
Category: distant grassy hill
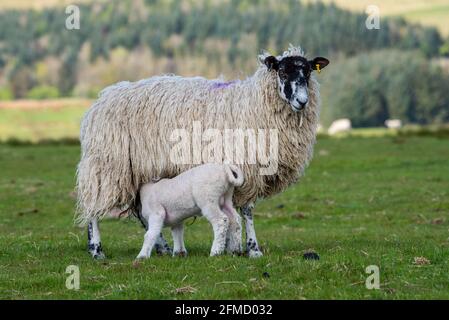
column 427, row 12
column 36, row 4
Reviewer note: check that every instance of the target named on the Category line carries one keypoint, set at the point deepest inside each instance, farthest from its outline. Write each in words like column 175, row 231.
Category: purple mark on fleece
column 222, row 85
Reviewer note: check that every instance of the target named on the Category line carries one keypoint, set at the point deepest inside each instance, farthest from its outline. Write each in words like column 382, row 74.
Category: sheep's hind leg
column 93, row 240
column 179, row 248
column 252, row 247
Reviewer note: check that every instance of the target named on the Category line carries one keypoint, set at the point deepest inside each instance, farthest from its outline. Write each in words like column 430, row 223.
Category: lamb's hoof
column 181, row 254
column 255, row 253
column 141, row 257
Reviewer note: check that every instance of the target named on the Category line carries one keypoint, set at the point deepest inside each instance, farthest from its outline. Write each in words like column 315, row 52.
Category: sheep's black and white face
column 293, row 75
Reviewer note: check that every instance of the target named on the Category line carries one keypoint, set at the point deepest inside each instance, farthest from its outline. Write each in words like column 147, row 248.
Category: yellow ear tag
column 318, row 68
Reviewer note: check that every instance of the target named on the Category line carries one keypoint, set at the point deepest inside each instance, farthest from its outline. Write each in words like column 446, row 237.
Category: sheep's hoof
column 99, row 256
column 96, row 251
column 255, row 253
column 181, row 254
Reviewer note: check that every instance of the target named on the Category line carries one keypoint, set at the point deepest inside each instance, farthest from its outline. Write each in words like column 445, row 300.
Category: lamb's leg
column 93, row 240
column 155, row 223
column 234, row 234
column 220, row 224
column 178, row 240
column 252, row 247
column 161, row 246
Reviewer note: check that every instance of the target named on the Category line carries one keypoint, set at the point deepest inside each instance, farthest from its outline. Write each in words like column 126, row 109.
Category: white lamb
column 206, row 190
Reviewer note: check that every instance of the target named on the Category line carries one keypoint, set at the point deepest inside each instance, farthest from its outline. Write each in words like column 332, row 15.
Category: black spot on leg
column 246, row 212
column 158, row 249
column 94, row 249
column 167, row 248
column 162, row 247
column 89, row 232
column 251, row 245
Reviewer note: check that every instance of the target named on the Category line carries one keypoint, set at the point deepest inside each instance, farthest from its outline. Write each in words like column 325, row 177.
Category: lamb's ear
column 318, row 63
column 272, row 63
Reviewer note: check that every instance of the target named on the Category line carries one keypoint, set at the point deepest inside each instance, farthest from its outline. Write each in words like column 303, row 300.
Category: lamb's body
column 125, row 135
column 204, row 190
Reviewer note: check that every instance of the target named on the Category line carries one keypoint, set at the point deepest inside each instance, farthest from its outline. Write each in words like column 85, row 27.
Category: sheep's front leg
column 178, row 241
column 161, row 246
column 220, row 224
column 252, row 247
column 93, row 240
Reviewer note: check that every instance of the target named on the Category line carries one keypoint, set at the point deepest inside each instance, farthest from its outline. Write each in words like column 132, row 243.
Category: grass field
column 41, row 120
column 364, row 201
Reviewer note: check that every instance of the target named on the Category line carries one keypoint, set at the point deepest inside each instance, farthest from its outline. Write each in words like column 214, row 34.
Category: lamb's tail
column 235, row 175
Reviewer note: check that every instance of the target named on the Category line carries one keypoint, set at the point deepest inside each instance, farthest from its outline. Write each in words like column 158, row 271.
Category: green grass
column 40, row 123
column 364, row 201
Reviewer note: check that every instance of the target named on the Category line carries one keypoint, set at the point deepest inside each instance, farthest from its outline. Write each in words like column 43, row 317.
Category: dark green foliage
column 388, row 84
column 323, row 29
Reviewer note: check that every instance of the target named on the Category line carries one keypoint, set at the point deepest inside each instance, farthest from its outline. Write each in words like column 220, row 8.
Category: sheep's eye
column 282, row 74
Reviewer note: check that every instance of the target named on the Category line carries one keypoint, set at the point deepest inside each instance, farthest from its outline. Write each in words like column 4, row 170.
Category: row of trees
column 374, row 74
column 388, row 84
column 182, row 29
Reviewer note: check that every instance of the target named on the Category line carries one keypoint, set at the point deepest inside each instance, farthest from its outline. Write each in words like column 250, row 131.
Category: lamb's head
column 293, row 73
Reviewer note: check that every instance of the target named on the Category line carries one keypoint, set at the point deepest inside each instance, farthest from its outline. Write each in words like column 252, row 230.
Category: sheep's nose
column 302, row 103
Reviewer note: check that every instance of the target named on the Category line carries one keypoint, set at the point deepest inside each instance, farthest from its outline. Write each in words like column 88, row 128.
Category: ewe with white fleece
column 125, row 134
column 206, row 190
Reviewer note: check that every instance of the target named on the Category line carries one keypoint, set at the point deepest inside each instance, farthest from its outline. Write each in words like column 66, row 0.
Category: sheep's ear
column 272, row 63
column 318, row 63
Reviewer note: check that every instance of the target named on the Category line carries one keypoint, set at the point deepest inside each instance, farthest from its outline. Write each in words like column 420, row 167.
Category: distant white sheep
column 339, row 126
column 393, row 123
column 206, row 190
